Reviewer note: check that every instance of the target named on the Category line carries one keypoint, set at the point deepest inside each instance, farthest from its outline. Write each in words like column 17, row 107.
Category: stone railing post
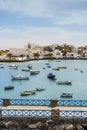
column 6, row 102
column 55, row 113
column 53, row 103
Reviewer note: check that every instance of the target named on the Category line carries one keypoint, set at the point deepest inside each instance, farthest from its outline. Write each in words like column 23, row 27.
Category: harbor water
column 76, row 71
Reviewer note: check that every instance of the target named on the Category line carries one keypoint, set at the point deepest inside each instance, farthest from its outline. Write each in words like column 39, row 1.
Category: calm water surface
column 52, row 90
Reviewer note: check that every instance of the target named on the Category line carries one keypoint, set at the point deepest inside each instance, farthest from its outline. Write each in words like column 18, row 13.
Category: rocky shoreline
column 32, row 123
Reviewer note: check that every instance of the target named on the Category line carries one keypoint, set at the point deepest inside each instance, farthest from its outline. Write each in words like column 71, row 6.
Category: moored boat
column 20, row 77
column 33, row 72
column 48, row 66
column 62, row 67
column 60, row 82
column 2, row 67
column 51, row 76
column 29, row 66
column 8, row 87
column 81, row 71
column 26, row 69
column 66, row 95
column 13, row 66
column 55, row 68
column 40, row 89
column 27, row 93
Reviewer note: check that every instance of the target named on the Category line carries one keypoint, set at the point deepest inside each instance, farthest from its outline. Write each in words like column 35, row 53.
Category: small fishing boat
column 81, row 71
column 55, row 68
column 13, row 66
column 26, row 69
column 62, row 67
column 40, row 89
column 63, row 82
column 29, row 66
column 66, row 95
column 51, row 76
column 1, row 67
column 20, row 77
column 75, row 69
column 43, row 67
column 33, row 72
column 48, row 66
column 8, row 87
column 27, row 93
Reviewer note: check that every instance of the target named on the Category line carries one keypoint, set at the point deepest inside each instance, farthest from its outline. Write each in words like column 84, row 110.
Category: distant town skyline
column 42, row 22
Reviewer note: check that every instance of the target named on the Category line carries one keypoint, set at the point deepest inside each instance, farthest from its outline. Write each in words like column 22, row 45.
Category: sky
column 42, row 22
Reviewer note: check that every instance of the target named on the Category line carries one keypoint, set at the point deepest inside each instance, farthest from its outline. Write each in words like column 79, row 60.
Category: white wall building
column 72, row 55
column 18, row 52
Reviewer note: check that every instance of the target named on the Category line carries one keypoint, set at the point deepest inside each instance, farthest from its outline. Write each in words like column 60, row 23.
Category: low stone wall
column 26, row 123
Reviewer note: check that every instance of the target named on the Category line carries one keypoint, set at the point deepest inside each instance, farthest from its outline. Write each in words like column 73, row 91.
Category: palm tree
column 36, row 55
column 9, row 55
column 22, row 56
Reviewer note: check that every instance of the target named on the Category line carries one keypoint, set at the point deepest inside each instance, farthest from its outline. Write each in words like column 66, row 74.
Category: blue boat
column 51, row 76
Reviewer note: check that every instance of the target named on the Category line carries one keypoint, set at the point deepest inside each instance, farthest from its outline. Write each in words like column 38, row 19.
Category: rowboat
column 66, row 95
column 8, row 87
column 33, row 72
column 60, row 82
column 51, row 76
column 27, row 93
column 40, row 89
column 20, row 77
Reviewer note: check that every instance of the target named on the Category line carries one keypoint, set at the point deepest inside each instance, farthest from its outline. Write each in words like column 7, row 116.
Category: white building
column 17, row 52
column 71, row 55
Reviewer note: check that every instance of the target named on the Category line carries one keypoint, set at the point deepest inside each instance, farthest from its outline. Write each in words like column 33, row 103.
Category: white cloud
column 41, row 36
column 60, row 11
column 24, row 7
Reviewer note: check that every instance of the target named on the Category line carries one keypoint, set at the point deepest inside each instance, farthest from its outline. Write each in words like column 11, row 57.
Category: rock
column 61, row 127
column 24, row 125
column 81, row 128
column 2, row 124
column 84, row 126
column 55, row 128
column 50, row 122
column 69, row 127
column 50, row 128
column 39, row 125
column 11, row 124
column 32, row 126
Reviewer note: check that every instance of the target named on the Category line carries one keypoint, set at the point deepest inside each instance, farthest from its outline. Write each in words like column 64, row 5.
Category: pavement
column 43, row 108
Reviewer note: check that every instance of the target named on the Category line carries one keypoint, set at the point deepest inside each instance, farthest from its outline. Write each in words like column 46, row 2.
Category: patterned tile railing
column 41, row 102
column 31, row 113
column 72, row 114
column 30, row 102
column 76, row 103
column 44, row 113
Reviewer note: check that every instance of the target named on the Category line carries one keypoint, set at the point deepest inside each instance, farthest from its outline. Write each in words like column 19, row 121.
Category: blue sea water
column 52, row 90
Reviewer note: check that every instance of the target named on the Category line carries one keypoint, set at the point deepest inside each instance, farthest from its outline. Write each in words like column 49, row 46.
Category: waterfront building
column 71, row 55
column 19, row 53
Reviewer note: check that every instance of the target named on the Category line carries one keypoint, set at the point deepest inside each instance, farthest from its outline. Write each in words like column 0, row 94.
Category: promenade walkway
column 43, row 108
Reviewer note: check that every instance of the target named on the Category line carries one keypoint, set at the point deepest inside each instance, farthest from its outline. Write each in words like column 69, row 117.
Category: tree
column 36, row 55
column 48, row 48
column 64, row 51
column 49, row 55
column 9, row 55
column 22, row 56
